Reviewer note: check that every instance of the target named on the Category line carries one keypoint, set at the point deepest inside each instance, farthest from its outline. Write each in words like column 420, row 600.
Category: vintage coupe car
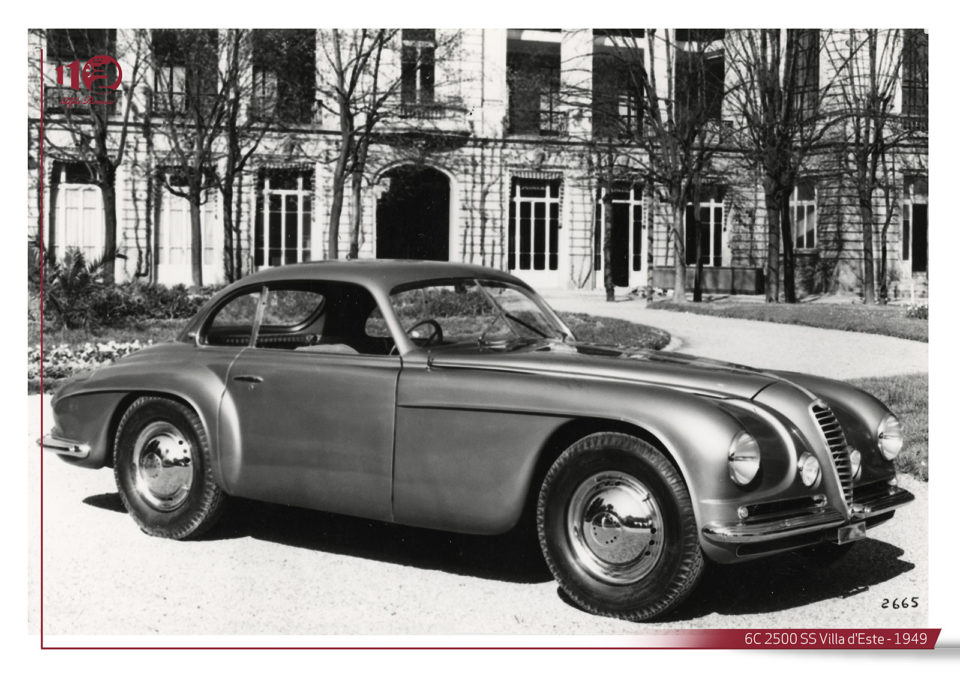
column 453, row 397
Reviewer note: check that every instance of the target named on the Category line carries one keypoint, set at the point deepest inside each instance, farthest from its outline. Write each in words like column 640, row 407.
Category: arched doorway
column 413, row 214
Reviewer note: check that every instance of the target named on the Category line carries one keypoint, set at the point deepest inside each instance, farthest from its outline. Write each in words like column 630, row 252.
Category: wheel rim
column 615, row 527
column 163, row 466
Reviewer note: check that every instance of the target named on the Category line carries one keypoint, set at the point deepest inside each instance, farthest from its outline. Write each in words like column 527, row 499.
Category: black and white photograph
column 410, row 333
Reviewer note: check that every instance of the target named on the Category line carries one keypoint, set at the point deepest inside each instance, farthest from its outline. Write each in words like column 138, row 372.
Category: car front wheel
column 617, row 528
column 162, row 468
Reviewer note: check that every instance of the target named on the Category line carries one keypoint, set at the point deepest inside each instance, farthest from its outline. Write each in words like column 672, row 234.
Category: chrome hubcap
column 163, row 466
column 615, row 527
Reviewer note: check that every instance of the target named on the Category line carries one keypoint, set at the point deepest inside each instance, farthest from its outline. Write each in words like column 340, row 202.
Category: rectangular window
column 534, row 226
column 533, row 83
column 68, row 50
column 283, row 223
column 803, row 215
column 915, row 73
column 185, row 69
column 626, row 235
column 618, row 80
column 699, row 82
column 78, row 220
column 284, row 74
column 711, row 232
column 417, row 66
column 914, row 221
column 805, row 45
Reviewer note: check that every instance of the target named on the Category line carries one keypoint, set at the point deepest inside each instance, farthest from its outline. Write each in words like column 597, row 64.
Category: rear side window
column 290, row 308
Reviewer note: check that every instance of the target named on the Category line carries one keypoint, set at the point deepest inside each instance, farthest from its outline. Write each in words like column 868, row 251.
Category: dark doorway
column 919, row 256
column 413, row 215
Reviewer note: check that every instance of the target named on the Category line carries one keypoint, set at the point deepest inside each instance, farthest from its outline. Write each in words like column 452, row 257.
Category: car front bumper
column 796, row 529
column 64, row 447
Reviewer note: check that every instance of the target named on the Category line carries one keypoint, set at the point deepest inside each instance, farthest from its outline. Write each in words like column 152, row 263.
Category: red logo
column 95, row 76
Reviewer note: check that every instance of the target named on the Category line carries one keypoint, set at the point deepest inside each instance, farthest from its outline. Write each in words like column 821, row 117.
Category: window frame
column 795, row 203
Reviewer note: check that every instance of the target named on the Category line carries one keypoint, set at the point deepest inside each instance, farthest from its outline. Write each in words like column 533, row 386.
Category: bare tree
column 267, row 81
column 98, row 128
column 869, row 63
column 779, row 101
column 660, row 127
column 190, row 101
column 355, row 91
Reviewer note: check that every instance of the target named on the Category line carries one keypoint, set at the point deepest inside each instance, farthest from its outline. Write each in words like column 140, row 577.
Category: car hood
column 673, row 370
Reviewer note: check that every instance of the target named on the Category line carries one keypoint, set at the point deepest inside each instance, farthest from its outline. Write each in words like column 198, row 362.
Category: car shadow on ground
column 512, row 557
column 791, row 580
column 772, row 584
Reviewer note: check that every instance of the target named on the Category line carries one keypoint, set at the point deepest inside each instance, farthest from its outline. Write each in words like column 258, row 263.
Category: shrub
column 919, row 311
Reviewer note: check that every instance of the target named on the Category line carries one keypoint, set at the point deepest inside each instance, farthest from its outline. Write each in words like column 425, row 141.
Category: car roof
column 384, row 274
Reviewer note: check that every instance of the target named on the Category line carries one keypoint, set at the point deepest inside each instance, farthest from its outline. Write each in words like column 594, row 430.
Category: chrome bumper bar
column 64, row 447
column 742, row 532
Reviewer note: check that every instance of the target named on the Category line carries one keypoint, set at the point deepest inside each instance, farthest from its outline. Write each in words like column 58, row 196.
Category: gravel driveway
column 276, row 570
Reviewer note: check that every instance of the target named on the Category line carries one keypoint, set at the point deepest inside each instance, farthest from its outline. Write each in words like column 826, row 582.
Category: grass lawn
column 886, row 320
column 908, row 397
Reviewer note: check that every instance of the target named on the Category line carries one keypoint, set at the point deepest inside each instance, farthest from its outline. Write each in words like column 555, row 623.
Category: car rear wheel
column 162, row 468
column 617, row 528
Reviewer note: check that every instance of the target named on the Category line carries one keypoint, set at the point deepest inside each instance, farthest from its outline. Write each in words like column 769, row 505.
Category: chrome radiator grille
column 837, row 443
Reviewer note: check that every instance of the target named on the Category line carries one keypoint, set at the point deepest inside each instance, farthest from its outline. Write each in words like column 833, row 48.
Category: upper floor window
column 914, row 85
column 803, row 215
column 68, row 50
column 618, row 80
column 185, row 69
column 417, row 66
column 284, row 75
column 805, row 45
column 533, row 83
column 699, row 77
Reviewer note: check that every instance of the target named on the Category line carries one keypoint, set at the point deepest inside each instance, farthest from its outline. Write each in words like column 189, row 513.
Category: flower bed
column 62, row 361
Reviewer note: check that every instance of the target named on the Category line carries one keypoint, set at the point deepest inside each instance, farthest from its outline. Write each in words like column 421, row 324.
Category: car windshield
column 484, row 313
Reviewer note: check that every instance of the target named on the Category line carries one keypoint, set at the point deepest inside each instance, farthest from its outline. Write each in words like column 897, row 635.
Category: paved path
column 813, row 350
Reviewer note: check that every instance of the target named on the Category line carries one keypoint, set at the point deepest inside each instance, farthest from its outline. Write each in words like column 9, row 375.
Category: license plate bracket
column 852, row 532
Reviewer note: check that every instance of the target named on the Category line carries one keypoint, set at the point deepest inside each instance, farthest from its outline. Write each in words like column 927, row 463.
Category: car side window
column 232, row 325
column 290, row 308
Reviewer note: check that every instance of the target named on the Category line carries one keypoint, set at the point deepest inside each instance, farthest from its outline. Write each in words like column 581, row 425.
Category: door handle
column 249, row 378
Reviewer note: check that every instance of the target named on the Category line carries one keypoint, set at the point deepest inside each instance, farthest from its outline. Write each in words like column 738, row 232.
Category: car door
column 314, row 406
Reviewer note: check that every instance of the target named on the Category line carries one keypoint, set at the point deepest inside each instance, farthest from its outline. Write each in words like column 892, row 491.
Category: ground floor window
column 283, row 227
column 914, row 220
column 803, row 214
column 711, row 232
column 174, row 234
column 534, row 229
column 626, row 234
column 78, row 215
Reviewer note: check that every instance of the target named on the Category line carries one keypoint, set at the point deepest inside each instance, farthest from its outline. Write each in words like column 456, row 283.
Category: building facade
column 483, row 152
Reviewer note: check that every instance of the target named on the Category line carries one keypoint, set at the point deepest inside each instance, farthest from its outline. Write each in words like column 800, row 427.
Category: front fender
column 89, row 408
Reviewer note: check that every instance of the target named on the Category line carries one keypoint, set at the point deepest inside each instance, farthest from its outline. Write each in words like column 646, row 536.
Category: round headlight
column 743, row 459
column 809, row 468
column 890, row 437
column 856, row 460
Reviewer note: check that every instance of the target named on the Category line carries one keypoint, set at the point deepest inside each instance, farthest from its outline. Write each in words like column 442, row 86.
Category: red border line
column 42, row 264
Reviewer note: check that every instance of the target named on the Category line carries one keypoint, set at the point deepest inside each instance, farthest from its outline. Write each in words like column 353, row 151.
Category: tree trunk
column 698, row 245
column 607, row 198
column 108, row 192
column 336, row 207
column 866, row 221
column 356, row 214
column 229, row 271
column 196, row 242
column 679, row 261
column 772, row 271
column 789, row 258
column 884, row 292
